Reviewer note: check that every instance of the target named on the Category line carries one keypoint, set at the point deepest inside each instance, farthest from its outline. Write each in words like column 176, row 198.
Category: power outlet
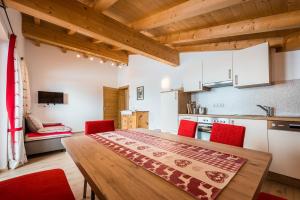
column 218, row 105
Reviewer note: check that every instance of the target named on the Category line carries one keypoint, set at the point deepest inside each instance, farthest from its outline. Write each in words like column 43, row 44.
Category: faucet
column 269, row 110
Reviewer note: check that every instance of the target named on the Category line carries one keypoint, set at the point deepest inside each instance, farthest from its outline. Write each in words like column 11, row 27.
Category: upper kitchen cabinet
column 192, row 74
column 251, row 66
column 217, row 69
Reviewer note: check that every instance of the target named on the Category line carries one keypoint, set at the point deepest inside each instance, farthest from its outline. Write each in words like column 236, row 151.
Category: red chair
column 187, row 128
column 92, row 127
column 46, row 185
column 100, row 126
column 228, row 134
column 265, row 196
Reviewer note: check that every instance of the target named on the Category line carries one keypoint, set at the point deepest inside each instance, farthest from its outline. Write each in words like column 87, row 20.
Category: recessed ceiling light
column 113, row 63
column 78, row 56
column 101, row 61
column 91, row 58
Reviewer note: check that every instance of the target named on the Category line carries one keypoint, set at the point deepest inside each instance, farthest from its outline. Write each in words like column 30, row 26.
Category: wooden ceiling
column 160, row 29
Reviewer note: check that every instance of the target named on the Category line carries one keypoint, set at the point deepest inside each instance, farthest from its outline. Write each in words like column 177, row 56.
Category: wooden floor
column 63, row 161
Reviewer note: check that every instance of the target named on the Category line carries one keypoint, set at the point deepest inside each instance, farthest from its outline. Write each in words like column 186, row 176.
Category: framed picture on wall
column 140, row 93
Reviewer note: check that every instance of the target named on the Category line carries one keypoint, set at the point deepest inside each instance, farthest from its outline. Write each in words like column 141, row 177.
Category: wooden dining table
column 112, row 176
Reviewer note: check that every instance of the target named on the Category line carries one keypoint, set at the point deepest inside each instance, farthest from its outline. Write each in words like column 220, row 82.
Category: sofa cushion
column 33, row 123
column 54, row 129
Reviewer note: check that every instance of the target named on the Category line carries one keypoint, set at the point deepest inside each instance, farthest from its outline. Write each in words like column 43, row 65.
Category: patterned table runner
column 201, row 172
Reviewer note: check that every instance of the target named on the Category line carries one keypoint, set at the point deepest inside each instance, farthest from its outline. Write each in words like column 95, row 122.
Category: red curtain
column 10, row 86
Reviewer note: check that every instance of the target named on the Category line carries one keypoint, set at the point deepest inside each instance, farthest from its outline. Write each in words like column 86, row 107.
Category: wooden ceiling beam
column 276, row 42
column 183, row 11
column 37, row 21
column 71, row 32
column 116, row 49
column 64, row 50
column 74, row 15
column 36, row 43
column 51, row 34
column 101, row 5
column 288, row 20
column 292, row 42
column 96, row 41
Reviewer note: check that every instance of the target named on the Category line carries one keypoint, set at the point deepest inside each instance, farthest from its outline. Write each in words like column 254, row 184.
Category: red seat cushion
column 32, row 135
column 100, row 126
column 228, row 134
column 187, row 128
column 265, row 196
column 45, row 185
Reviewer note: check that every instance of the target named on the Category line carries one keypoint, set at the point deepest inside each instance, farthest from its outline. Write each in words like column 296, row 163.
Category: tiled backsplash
column 284, row 97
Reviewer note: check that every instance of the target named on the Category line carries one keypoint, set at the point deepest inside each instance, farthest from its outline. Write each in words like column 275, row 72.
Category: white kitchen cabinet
column 256, row 135
column 284, row 146
column 251, row 66
column 217, row 68
column 192, row 74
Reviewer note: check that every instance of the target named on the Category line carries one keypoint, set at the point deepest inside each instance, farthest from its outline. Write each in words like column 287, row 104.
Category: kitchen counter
column 254, row 117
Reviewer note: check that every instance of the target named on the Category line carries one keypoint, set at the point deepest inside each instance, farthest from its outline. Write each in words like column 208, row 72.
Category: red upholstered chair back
column 228, row 134
column 100, row 126
column 265, row 196
column 187, row 128
column 45, row 185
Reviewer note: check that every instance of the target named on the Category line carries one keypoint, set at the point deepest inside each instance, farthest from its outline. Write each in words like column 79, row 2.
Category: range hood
column 218, row 84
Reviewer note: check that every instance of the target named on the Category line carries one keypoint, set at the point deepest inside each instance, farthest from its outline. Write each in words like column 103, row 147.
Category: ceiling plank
column 51, row 34
column 277, row 22
column 76, row 16
column 101, row 5
column 183, row 11
column 276, row 42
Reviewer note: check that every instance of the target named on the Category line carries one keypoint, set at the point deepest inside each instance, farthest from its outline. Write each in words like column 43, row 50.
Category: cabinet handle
column 236, row 80
column 229, row 73
column 200, row 85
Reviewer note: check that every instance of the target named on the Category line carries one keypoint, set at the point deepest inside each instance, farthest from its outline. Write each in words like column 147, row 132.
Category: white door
column 217, row 67
column 169, row 111
column 251, row 66
column 192, row 74
column 256, row 135
column 284, row 146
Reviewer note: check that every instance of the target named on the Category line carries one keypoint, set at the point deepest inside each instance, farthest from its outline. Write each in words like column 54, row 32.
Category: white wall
column 79, row 78
column 155, row 77
column 16, row 22
column 142, row 71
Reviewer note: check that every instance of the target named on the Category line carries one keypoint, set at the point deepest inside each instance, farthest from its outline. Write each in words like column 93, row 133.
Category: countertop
column 254, row 117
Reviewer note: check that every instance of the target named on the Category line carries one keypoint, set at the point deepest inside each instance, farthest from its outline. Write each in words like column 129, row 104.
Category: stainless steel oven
column 205, row 126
